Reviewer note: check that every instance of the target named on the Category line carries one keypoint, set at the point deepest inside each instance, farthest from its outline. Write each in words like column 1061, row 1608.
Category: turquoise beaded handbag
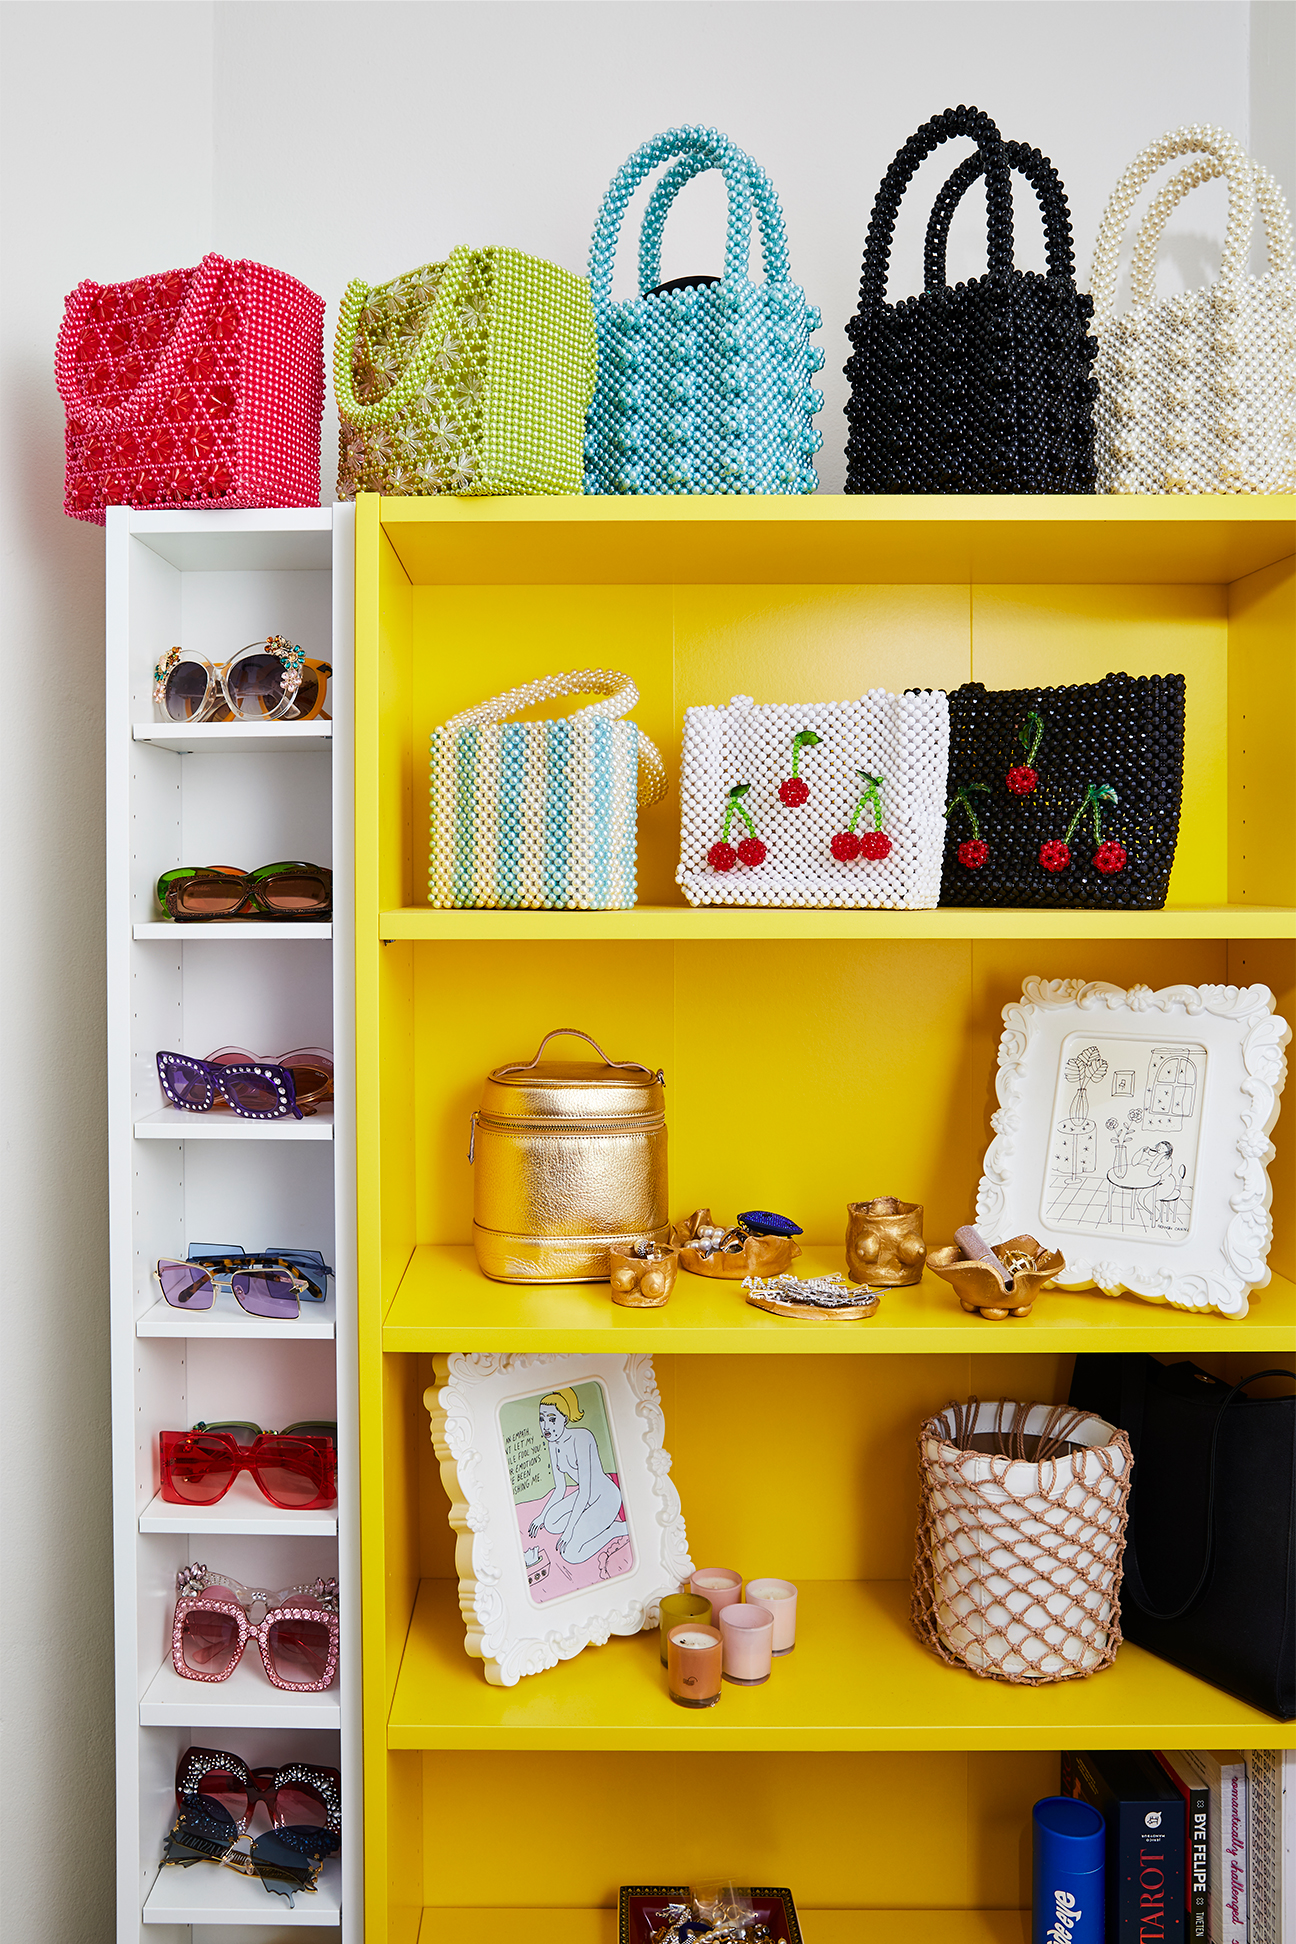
column 703, row 384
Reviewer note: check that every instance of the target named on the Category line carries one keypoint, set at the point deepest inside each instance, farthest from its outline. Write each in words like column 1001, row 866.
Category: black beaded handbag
column 986, row 387
column 1065, row 797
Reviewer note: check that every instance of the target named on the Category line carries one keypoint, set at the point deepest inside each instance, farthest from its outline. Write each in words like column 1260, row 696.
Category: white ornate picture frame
column 1132, row 1134
column 569, row 1528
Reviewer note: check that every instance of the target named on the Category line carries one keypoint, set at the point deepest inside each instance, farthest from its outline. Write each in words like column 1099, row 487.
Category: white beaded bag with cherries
column 1197, row 393
column 875, row 767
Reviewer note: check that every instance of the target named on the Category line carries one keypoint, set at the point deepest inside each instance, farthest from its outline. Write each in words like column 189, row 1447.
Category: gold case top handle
column 574, row 1032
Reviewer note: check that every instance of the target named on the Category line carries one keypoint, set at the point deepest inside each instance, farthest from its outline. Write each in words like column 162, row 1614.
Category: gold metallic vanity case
column 569, row 1159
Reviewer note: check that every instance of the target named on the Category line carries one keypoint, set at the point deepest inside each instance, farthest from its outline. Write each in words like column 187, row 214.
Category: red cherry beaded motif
column 794, row 790
column 1022, row 777
column 973, row 851
column 1109, row 857
column 751, row 851
column 873, row 844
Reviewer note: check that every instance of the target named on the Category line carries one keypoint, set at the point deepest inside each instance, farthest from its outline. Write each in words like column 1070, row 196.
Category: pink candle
column 719, row 1584
column 693, row 1663
column 748, row 1635
column 780, row 1597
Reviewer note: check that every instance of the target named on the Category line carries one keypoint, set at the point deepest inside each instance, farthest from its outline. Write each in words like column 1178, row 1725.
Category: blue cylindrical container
column 1070, row 1848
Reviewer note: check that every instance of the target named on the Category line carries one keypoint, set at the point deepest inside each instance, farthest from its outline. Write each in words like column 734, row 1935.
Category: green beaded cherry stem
column 793, row 791
column 874, row 844
column 1109, row 857
column 751, row 851
column 973, row 851
column 1022, row 778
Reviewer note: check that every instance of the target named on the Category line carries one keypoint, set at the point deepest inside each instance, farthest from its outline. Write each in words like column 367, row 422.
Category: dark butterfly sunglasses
column 218, row 1795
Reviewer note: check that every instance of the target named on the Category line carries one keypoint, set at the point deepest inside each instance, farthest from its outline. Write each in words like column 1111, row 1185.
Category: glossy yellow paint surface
column 811, row 1058
column 817, row 1926
column 441, row 1301
column 857, row 1679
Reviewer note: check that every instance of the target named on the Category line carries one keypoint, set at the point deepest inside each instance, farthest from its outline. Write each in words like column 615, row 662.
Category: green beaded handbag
column 471, row 376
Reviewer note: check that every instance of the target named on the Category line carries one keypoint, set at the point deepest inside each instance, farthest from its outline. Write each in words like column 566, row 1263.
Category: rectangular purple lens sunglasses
column 261, row 1292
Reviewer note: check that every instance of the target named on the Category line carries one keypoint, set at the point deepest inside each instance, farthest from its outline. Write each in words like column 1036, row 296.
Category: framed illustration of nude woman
column 570, row 1529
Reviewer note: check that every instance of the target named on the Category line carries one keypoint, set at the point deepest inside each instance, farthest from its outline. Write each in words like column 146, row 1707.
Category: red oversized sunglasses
column 296, row 1469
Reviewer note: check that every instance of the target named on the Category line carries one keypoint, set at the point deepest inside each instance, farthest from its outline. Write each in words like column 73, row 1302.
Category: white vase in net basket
column 1018, row 1566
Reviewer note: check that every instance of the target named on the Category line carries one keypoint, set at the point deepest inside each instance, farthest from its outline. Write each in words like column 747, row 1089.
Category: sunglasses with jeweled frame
column 218, row 1796
column 268, row 681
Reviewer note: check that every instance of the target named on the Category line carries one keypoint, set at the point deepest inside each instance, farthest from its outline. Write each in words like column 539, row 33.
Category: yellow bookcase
column 812, row 1057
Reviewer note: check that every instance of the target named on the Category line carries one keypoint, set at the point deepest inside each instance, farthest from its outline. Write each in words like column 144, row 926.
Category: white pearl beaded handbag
column 828, row 803
column 1197, row 393
column 542, row 815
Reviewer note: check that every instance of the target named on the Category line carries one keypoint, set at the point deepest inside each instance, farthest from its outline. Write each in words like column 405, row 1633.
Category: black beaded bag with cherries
column 1064, row 797
column 986, row 387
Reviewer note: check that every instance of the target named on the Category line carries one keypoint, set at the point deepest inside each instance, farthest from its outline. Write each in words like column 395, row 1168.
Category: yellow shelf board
column 857, row 1679
column 835, row 538
column 653, row 923
column 444, row 1303
column 499, row 1926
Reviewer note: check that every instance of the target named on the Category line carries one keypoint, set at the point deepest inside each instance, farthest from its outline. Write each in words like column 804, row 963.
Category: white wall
column 335, row 140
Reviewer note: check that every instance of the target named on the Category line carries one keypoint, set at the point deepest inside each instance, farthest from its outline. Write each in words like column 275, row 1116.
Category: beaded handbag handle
column 619, row 695
column 719, row 153
column 1049, row 193
column 1274, row 214
column 941, row 128
column 1195, row 139
column 189, row 332
column 770, row 217
column 421, row 369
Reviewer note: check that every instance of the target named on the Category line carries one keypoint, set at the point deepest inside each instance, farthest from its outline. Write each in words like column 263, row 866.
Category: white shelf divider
column 233, row 738
column 207, row 1893
column 233, row 932
column 212, row 581
column 243, row 1510
column 246, row 1700
column 225, row 1320
column 177, row 1124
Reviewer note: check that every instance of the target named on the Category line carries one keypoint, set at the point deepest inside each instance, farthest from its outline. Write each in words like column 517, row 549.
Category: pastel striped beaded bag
column 704, row 382
column 470, row 376
column 542, row 815
column 1197, row 392
column 828, row 803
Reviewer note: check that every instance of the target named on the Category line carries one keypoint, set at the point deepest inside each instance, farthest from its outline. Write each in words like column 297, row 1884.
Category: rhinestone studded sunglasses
column 268, row 681
column 297, row 1634
column 218, row 1797
column 255, row 1089
column 310, row 1067
column 194, row 893
column 295, row 1469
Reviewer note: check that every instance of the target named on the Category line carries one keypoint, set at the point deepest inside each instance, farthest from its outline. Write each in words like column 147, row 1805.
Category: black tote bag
column 1124, row 734
column 987, row 387
column 1210, row 1550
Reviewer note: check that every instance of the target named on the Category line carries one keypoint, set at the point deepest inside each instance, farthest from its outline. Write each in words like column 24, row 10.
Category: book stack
column 1201, row 1843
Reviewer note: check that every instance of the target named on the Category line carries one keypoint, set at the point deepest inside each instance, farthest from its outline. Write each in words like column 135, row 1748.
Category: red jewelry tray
column 642, row 1909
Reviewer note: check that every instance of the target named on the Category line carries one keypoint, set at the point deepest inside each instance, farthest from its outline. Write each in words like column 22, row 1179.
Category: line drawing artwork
column 566, row 1490
column 1133, row 1175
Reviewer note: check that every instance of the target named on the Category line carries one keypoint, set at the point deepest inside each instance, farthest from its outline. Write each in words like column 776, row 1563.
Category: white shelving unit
column 246, row 794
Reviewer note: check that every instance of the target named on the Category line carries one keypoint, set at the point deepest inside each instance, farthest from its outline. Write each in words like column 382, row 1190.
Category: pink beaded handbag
column 200, row 387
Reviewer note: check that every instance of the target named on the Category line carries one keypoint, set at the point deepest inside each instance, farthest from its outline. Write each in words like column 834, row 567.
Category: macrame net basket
column 900, row 739
column 1126, row 731
column 1021, row 1539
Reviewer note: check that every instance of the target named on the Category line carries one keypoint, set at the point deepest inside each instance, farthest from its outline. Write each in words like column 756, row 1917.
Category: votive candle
column 780, row 1596
column 676, row 1608
column 694, row 1658
column 748, row 1635
column 719, row 1584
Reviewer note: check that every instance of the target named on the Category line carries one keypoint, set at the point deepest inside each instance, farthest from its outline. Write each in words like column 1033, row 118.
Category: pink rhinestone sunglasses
column 297, row 1634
